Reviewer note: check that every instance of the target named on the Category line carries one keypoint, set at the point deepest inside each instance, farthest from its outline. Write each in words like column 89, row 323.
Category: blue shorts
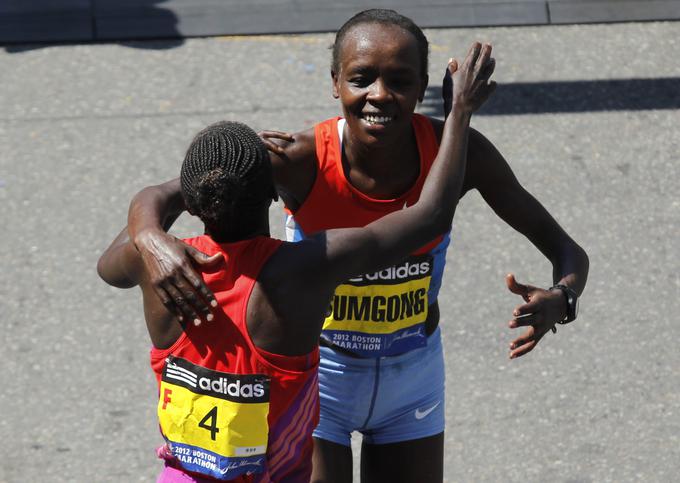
column 387, row 399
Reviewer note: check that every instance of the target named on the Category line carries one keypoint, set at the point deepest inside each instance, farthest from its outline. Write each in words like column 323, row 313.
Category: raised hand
column 467, row 86
column 170, row 264
column 540, row 312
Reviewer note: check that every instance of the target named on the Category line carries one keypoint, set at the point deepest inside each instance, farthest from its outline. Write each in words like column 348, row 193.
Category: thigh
column 410, row 400
column 416, row 461
column 332, row 462
column 346, row 386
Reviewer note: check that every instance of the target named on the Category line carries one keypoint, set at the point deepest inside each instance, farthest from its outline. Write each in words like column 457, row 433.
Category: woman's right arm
column 121, row 266
column 168, row 261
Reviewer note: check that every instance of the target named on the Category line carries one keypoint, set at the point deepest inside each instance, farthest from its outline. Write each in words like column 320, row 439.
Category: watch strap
column 571, row 298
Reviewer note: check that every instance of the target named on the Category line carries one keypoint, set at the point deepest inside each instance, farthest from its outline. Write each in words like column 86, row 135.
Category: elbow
column 583, row 257
column 573, row 258
column 108, row 274
column 104, row 272
column 100, row 269
column 576, row 252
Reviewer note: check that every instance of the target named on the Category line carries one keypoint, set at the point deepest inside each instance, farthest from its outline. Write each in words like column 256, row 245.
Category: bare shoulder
column 295, row 168
column 477, row 142
column 299, row 152
column 480, row 147
column 475, row 139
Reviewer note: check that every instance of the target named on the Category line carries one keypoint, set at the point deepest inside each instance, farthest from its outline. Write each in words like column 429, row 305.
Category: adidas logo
column 398, row 272
column 222, row 385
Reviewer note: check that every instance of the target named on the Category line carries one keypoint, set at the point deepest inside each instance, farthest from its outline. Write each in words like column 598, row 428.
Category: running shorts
column 387, row 399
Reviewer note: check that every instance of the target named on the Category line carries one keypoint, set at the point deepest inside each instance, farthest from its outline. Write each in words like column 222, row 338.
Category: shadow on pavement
column 571, row 96
column 122, row 19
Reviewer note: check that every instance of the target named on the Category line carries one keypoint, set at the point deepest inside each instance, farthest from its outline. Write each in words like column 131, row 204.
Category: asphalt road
column 83, row 127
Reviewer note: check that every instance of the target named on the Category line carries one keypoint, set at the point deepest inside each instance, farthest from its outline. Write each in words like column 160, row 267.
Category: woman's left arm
column 491, row 175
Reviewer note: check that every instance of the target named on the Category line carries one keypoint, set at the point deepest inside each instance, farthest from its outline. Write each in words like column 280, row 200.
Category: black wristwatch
column 572, row 302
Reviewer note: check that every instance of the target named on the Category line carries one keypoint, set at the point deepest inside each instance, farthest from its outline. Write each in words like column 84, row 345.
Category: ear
column 423, row 87
column 336, row 88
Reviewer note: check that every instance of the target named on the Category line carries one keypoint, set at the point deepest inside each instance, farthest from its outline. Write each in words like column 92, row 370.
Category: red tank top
column 227, row 409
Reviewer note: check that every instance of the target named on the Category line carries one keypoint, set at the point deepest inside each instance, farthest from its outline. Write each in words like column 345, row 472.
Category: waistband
column 337, row 354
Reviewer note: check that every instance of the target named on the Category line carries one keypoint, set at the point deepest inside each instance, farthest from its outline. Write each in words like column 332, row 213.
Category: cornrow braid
column 226, row 167
column 385, row 17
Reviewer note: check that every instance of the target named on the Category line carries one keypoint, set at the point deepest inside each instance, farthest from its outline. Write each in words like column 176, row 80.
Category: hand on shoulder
column 293, row 158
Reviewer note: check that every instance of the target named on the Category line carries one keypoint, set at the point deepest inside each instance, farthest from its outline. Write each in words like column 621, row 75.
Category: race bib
column 382, row 313
column 215, row 422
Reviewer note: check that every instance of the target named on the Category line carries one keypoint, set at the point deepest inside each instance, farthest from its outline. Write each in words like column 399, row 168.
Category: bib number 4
column 209, row 422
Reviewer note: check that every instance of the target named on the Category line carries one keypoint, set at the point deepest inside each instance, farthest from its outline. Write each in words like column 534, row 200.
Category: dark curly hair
column 226, row 169
column 385, row 17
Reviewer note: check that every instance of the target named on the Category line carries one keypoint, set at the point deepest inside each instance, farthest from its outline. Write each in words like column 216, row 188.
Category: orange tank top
column 383, row 313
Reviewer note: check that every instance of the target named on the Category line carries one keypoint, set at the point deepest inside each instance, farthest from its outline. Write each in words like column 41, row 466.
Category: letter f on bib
column 166, row 397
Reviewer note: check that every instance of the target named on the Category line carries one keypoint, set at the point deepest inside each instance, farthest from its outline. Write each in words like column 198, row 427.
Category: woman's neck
column 240, row 229
column 384, row 171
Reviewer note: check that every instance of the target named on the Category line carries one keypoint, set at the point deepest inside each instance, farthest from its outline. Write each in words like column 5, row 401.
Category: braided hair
column 226, row 171
column 385, row 17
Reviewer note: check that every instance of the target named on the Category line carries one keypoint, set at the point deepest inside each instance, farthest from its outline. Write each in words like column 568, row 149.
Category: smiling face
column 379, row 82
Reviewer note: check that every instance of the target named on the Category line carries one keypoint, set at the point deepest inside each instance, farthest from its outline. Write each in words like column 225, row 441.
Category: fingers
column 195, row 290
column 452, row 66
column 266, row 137
column 170, row 264
column 184, row 294
column 467, row 68
column 538, row 314
column 487, row 69
column 472, row 56
column 273, row 147
column 522, row 349
column 167, row 302
column 478, row 60
column 533, row 307
column 517, row 288
column 276, row 135
column 204, row 260
column 471, row 86
column 483, row 69
column 198, row 295
column 177, row 303
column 483, row 60
column 525, row 343
column 524, row 319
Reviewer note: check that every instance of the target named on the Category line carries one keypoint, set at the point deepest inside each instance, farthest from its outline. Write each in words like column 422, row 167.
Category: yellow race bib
column 215, row 422
column 382, row 313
